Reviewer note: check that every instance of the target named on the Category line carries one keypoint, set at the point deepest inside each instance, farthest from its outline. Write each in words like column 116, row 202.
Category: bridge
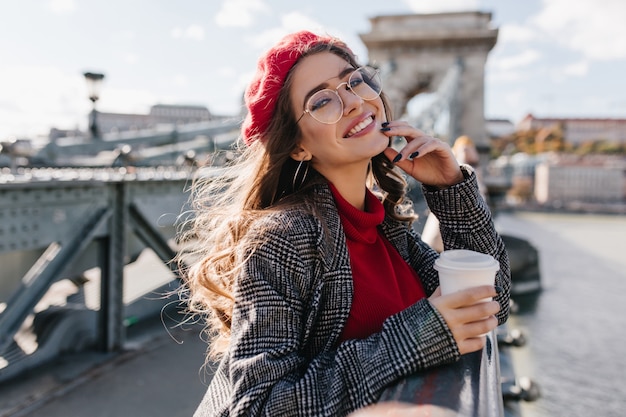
column 67, row 235
column 443, row 55
column 71, row 234
column 146, row 147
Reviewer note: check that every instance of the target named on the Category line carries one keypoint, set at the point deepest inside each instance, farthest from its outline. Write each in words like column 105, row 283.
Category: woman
column 319, row 292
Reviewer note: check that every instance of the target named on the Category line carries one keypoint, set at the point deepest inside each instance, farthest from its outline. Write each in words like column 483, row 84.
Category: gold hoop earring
column 295, row 175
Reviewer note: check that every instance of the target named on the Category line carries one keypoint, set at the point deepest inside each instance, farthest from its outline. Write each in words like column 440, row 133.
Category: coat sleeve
column 270, row 371
column 465, row 222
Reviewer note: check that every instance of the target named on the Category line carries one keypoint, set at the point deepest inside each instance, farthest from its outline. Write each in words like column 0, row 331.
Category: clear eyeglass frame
column 327, row 107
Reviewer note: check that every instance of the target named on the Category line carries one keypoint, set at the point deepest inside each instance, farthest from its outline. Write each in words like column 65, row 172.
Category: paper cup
column 461, row 268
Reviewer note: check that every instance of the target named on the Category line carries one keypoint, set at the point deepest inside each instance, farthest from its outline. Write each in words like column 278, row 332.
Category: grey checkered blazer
column 293, row 299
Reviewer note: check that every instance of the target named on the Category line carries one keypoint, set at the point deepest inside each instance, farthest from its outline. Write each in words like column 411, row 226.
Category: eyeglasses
column 326, row 105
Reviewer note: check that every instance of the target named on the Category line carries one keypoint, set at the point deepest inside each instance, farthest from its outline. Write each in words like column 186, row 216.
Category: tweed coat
column 293, row 298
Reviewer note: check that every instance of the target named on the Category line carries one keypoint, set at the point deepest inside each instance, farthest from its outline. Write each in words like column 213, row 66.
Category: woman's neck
column 351, row 184
column 353, row 194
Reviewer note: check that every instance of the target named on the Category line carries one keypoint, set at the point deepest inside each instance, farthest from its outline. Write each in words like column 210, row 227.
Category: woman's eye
column 356, row 81
column 319, row 103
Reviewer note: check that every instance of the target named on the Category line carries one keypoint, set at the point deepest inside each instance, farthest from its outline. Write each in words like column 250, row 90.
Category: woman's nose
column 350, row 100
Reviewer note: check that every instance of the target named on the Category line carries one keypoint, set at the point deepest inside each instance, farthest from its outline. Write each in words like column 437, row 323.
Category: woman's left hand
column 434, row 165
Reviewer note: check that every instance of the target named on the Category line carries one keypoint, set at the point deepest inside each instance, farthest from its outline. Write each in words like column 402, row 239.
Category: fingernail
column 397, row 158
column 414, row 154
column 385, row 124
column 498, row 289
column 385, row 129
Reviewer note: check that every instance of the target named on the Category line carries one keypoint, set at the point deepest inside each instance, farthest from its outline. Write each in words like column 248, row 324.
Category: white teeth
column 356, row 129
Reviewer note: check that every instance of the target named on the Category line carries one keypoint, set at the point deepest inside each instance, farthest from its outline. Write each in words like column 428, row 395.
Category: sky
column 553, row 58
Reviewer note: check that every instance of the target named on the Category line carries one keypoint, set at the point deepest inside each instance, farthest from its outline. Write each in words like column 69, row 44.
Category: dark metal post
column 112, row 280
column 93, row 84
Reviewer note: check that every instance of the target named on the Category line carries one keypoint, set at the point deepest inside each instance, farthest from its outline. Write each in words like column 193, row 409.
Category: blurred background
column 108, row 108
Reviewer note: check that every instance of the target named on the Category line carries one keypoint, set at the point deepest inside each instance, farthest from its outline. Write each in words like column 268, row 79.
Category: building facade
column 580, row 130
column 160, row 114
column 553, row 179
column 559, row 183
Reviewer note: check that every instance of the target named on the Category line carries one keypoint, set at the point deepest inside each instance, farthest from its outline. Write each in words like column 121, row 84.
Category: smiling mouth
column 356, row 129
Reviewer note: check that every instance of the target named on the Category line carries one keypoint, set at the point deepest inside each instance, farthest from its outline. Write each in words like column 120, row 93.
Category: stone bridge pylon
column 416, row 52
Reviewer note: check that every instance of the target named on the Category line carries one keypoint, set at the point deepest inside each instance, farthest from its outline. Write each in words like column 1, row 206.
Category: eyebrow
column 324, row 85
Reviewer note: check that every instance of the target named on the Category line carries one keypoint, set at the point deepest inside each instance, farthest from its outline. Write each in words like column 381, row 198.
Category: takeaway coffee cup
column 461, row 268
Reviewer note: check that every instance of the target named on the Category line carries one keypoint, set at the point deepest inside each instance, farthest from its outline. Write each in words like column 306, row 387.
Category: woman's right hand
column 434, row 163
column 467, row 318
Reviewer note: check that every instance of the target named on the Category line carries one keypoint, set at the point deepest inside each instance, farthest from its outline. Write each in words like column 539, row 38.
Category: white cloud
column 577, row 69
column 496, row 76
column 514, row 98
column 177, row 33
column 131, row 58
column 436, row 6
column 193, row 32
column 523, row 59
column 594, row 28
column 126, row 100
column 514, row 33
column 123, row 36
column 267, row 38
column 289, row 22
column 239, row 13
column 181, row 80
column 39, row 97
column 508, row 103
column 62, row 6
column 295, row 21
column 226, row 72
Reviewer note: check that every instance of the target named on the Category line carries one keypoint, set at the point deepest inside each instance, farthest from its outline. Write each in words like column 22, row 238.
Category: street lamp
column 94, row 81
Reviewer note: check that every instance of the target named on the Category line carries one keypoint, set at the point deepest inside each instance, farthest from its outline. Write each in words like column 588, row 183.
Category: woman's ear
column 300, row 154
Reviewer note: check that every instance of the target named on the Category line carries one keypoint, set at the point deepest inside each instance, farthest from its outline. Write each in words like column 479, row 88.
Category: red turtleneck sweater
column 384, row 284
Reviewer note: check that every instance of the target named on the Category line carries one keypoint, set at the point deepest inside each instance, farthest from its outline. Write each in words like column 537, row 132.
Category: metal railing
column 469, row 388
column 56, row 225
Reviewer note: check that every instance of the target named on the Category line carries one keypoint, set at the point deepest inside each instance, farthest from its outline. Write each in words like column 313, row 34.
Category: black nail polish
column 414, row 154
column 385, row 124
column 397, row 158
column 385, row 129
column 498, row 289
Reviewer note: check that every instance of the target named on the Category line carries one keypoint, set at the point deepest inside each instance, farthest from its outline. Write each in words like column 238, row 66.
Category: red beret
column 262, row 93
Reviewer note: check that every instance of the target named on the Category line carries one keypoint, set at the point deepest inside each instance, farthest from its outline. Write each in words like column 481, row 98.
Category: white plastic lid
column 464, row 259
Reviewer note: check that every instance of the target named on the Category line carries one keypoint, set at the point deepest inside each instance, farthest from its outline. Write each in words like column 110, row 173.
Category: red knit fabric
column 384, row 284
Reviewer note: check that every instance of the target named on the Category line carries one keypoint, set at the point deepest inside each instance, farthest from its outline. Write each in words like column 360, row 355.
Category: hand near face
column 434, row 164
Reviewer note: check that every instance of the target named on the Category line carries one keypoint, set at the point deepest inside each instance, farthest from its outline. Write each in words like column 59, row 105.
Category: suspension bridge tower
column 443, row 53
